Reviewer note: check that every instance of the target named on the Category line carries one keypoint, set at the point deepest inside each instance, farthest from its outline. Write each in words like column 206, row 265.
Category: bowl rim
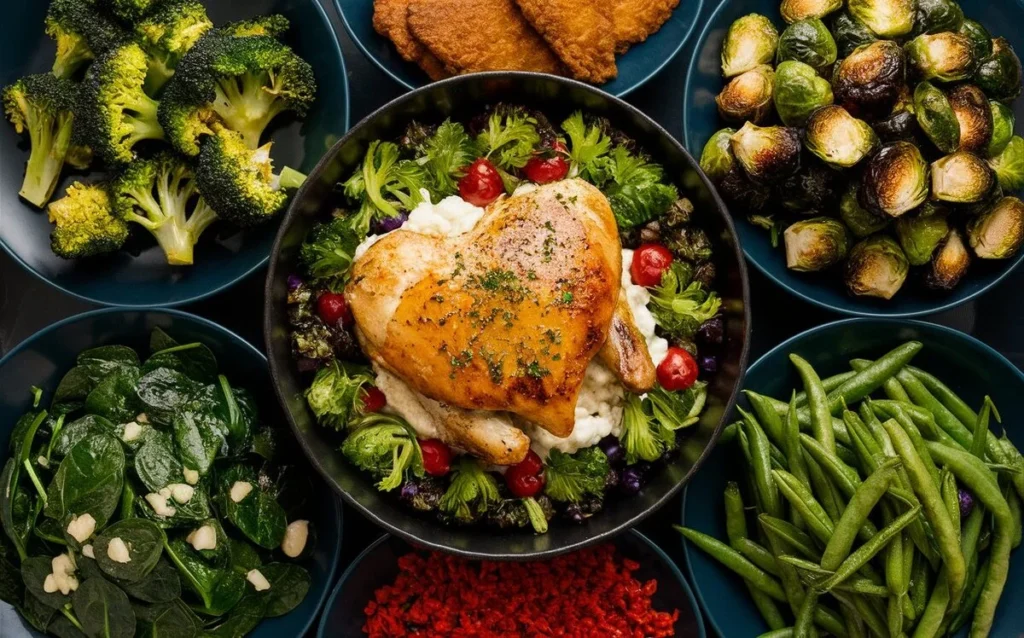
column 385, row 537
column 691, row 73
column 326, row 21
column 268, row 315
column 365, row 49
column 335, row 553
column 970, row 340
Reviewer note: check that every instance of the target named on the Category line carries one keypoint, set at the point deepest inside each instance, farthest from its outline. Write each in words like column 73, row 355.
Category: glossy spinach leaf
column 237, row 410
column 243, row 556
column 89, row 479
column 103, row 610
column 17, row 511
column 160, row 340
column 264, row 443
column 194, row 360
column 104, row 359
column 218, row 589
column 145, row 540
column 201, row 439
column 88, row 568
column 62, row 627
column 259, row 516
column 220, row 556
column 51, row 531
column 162, row 585
column 186, row 515
column 114, row 396
column 93, row 366
column 128, row 500
column 289, row 585
column 71, row 433
column 171, row 619
column 164, row 392
column 34, row 571
column 70, row 394
column 246, row 615
column 12, row 586
column 36, row 612
column 156, row 463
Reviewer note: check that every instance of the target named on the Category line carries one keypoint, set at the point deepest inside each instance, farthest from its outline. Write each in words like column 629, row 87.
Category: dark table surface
column 28, row 305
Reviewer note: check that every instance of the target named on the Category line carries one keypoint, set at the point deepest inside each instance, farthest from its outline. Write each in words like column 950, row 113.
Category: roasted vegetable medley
column 887, row 458
column 172, row 110
column 872, row 138
column 146, row 501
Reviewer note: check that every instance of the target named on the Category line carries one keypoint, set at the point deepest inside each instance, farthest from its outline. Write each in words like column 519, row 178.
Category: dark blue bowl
column 378, row 566
column 700, row 121
column 971, row 368
column 223, row 257
column 637, row 66
column 43, row 358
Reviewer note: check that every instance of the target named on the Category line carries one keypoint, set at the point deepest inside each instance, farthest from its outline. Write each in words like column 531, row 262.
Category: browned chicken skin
column 625, row 352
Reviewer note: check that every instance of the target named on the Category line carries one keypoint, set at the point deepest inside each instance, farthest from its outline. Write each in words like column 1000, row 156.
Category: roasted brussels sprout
column 885, row 18
column 895, row 180
column 980, row 39
column 877, row 267
column 950, row 262
column 936, row 16
column 936, row 117
column 901, row 124
column 1009, row 165
column 767, row 154
column 998, row 232
column 737, row 189
column 810, row 42
column 716, row 160
column 999, row 75
column 920, row 232
column 962, row 178
column 837, row 137
column 946, row 57
column 796, row 10
column 858, row 219
column 974, row 115
column 799, row 90
column 815, row 244
column 810, row 191
column 750, row 41
column 850, row 33
column 1003, row 122
column 721, row 167
column 867, row 83
column 748, row 96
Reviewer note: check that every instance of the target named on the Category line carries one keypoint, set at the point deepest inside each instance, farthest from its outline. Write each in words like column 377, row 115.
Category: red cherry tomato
column 678, row 371
column 437, row 457
column 333, row 309
column 526, row 478
column 650, row 261
column 531, row 464
column 544, row 170
column 482, row 183
column 373, row 400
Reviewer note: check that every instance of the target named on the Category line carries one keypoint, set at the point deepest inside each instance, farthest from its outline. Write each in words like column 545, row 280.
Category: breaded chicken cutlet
column 391, row 20
column 580, row 32
column 480, row 35
column 635, row 20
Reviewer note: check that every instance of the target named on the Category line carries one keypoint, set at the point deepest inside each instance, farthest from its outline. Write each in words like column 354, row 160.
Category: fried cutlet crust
column 635, row 20
column 468, row 36
column 390, row 19
column 579, row 32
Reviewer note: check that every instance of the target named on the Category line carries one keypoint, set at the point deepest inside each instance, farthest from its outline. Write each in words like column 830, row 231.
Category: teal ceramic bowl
column 223, row 256
column 637, row 66
column 701, row 120
column 971, row 368
column 42, row 360
column 378, row 566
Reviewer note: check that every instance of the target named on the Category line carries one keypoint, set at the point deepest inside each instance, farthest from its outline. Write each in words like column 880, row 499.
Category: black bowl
column 462, row 97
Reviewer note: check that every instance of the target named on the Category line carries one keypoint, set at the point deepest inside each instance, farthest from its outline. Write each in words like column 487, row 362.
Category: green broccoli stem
column 50, row 138
column 247, row 105
column 290, row 179
column 141, row 115
column 72, row 53
column 158, row 74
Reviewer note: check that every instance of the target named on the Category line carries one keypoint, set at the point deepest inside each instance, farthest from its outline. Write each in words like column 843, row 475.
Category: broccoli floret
column 471, row 491
column 241, row 82
column 569, row 477
column 642, row 437
column 167, row 35
column 42, row 105
column 385, row 186
column 335, row 396
column 129, row 10
column 85, row 223
column 239, row 182
column 114, row 111
column 273, row 25
column 680, row 305
column 158, row 194
column 328, row 252
column 81, row 32
column 386, row 447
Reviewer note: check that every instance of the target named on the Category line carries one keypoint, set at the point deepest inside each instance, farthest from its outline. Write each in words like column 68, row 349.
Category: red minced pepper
column 581, row 595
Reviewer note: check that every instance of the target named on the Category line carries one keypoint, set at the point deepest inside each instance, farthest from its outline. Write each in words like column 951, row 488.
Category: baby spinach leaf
column 70, row 394
column 128, row 499
column 62, row 627
column 89, row 479
column 219, row 589
column 164, row 392
column 103, row 610
column 77, row 430
column 289, row 585
column 243, row 556
column 162, row 585
column 16, row 508
column 237, row 411
column 106, row 358
column 114, row 396
column 259, row 516
column 51, row 531
column 194, row 360
column 93, row 366
column 246, row 615
column 36, row 612
column 156, row 464
column 264, row 443
column 12, row 586
column 201, row 438
column 88, row 568
column 185, row 514
column 220, row 556
column 145, row 541
column 160, row 340
column 171, row 619
column 34, row 571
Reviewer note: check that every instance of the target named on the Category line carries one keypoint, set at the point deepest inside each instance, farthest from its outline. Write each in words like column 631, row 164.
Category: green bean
column 817, row 403
column 919, row 587
column 978, row 443
column 768, row 609
column 863, row 586
column 757, row 554
column 829, row 383
column 1015, row 514
column 816, row 571
column 785, row 632
column 854, row 623
column 788, row 576
column 794, row 452
column 892, row 386
column 761, row 466
column 845, row 477
column 970, row 599
column 804, row 419
column 818, row 522
column 951, row 497
column 804, row 627
column 823, row 490
column 868, row 550
column 895, row 579
column 789, row 535
column 864, row 611
column 830, row 622
column 928, row 625
column 946, row 396
column 856, row 513
column 864, row 445
column 735, row 561
column 735, row 518
column 866, row 381
column 766, row 416
column 895, row 616
column 908, row 564
column 920, row 417
column 934, row 507
column 915, row 436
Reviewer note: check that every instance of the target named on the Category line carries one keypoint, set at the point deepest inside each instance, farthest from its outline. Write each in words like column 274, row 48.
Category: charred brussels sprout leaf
column 810, row 191
column 885, row 18
column 837, row 137
column 850, row 33
column 796, row 10
column 895, row 180
column 737, row 189
column 799, row 91
column 974, row 115
column 935, row 16
column 748, row 96
column 868, row 82
column 980, row 39
column 815, row 244
column 1000, row 73
column 998, row 232
column 858, row 219
column 1009, row 165
column 717, row 160
column 750, row 42
column 877, row 267
column 808, row 41
column 936, row 117
column 1003, row 122
column 920, row 233
column 950, row 262
column 962, row 178
column 901, row 124
column 767, row 154
column 946, row 57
